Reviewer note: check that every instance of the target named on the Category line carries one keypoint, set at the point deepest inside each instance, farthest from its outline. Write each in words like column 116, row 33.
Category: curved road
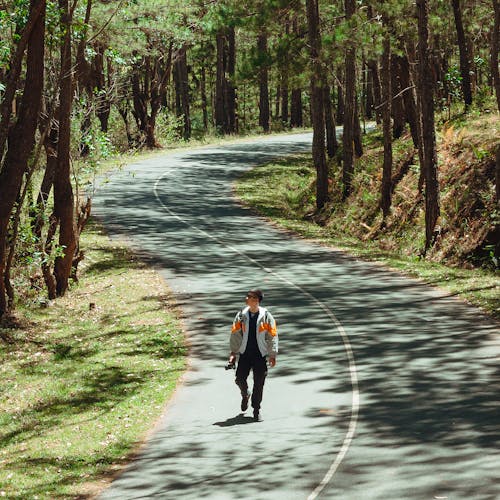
column 385, row 388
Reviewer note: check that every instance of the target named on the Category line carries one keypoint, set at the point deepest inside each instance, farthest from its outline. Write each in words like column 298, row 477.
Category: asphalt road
column 385, row 388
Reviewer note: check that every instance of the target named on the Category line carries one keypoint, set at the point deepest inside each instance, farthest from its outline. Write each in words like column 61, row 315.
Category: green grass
column 85, row 378
column 281, row 191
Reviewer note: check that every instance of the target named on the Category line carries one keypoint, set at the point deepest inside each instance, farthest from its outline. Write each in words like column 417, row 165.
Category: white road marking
column 355, row 404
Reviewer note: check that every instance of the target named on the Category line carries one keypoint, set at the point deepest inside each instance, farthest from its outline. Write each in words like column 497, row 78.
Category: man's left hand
column 272, row 362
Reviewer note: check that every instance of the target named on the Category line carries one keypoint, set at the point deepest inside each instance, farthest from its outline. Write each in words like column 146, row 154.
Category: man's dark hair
column 257, row 293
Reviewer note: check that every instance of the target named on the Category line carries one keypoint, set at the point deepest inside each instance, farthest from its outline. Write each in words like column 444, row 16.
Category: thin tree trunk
column 63, row 191
column 350, row 105
column 182, row 91
column 21, row 137
column 426, row 90
column 369, row 96
column 495, row 34
column 263, row 82
column 358, row 142
column 464, row 53
column 230, row 94
column 277, row 102
column 220, row 84
column 373, row 67
column 317, row 108
column 204, row 102
column 340, row 103
column 331, row 136
column 296, row 108
column 408, row 98
column 497, row 175
column 284, row 99
column 385, row 201
column 397, row 105
column 415, row 77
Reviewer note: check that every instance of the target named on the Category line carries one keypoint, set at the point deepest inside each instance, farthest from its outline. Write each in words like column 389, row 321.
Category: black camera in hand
column 230, row 366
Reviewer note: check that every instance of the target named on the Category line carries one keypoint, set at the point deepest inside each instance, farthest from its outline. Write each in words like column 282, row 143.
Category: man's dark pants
column 258, row 365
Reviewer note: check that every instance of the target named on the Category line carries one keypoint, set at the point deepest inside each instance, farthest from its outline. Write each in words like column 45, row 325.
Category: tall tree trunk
column 277, row 101
column 369, row 96
column 182, row 91
column 331, row 135
column 15, row 66
column 204, row 101
column 397, row 106
column 495, row 34
column 296, row 108
column 411, row 52
column 464, row 53
column 358, row 142
column 63, row 191
column 263, row 81
column 350, row 106
column 408, row 98
column 284, row 99
column 373, row 67
column 340, row 104
column 220, row 82
column 21, row 137
column 426, row 91
column 385, row 201
column 103, row 102
column 317, row 108
column 497, row 175
column 225, row 90
column 230, row 93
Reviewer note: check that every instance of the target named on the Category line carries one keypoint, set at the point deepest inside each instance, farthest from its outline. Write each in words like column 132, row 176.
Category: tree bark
column 63, row 191
column 317, row 107
column 182, row 91
column 230, row 92
column 225, row 91
column 373, row 67
column 204, row 101
column 331, row 135
column 408, row 98
column 21, row 137
column 15, row 66
column 387, row 79
column 495, row 34
column 296, row 108
column 358, row 141
column 263, row 81
column 464, row 54
column 349, row 112
column 397, row 106
column 426, row 91
column 220, row 83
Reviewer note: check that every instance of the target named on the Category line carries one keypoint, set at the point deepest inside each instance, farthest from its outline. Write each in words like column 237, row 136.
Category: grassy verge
column 282, row 192
column 84, row 378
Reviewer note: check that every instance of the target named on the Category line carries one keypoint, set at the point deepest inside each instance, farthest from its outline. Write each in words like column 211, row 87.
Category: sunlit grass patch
column 85, row 378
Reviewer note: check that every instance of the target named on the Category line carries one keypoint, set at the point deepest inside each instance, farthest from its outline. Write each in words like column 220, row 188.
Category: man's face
column 252, row 300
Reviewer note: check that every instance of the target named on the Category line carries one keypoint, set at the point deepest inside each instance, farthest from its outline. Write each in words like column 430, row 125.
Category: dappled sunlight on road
column 427, row 363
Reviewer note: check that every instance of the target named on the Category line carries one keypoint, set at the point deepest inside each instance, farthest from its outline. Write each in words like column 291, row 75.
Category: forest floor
column 85, row 377
column 464, row 259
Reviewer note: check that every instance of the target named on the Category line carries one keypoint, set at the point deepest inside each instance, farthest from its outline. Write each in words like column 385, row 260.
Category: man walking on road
column 255, row 338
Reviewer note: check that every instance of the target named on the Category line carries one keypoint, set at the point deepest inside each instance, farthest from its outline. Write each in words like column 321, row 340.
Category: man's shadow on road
column 238, row 420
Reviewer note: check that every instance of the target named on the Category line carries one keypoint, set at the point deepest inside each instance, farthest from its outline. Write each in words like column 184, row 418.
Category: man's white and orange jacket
column 267, row 334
